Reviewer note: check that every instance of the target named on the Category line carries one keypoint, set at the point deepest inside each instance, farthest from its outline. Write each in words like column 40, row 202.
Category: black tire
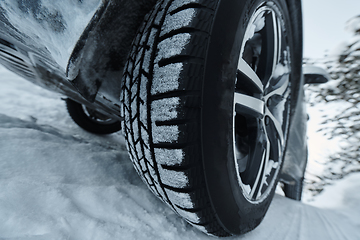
column 294, row 191
column 185, row 125
column 91, row 120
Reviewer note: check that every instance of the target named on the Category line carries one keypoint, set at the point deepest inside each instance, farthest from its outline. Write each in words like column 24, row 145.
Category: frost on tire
column 168, row 109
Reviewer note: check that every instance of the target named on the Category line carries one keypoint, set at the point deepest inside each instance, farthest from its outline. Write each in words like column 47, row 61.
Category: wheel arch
column 97, row 61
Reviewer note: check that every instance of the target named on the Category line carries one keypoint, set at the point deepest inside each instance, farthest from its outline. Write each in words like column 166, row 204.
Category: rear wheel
column 294, row 191
column 207, row 102
column 90, row 119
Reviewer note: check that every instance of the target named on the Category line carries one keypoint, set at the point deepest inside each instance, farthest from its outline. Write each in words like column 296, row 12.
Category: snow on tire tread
column 161, row 106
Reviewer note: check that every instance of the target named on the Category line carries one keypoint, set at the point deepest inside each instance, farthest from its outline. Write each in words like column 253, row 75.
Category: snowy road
column 60, row 182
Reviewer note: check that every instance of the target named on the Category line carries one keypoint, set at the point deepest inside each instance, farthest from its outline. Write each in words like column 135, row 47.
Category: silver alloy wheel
column 261, row 103
column 98, row 117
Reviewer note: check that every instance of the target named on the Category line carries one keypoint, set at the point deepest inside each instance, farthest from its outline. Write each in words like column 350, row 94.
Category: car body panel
column 74, row 47
column 97, row 62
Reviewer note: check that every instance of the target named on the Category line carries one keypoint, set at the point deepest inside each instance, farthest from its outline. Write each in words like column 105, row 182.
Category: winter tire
column 207, row 100
column 90, row 119
column 294, row 191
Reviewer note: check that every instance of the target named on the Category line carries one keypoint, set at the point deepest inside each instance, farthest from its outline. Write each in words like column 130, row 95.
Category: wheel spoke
column 255, row 188
column 264, row 171
column 280, row 90
column 273, row 34
column 249, row 105
column 277, row 42
column 277, row 124
column 250, row 74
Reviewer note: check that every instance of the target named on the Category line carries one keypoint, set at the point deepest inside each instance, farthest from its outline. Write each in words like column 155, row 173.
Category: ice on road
column 60, row 182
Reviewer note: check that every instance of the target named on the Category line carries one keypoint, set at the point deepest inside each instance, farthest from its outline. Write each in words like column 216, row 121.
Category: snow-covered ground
column 60, row 182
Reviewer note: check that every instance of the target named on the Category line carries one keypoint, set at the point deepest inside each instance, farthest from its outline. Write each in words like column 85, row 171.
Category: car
column 208, row 93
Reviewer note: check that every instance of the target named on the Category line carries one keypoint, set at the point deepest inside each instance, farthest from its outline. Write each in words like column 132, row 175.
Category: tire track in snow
column 291, row 220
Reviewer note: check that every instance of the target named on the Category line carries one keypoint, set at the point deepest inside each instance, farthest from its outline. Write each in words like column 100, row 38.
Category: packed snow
column 60, row 182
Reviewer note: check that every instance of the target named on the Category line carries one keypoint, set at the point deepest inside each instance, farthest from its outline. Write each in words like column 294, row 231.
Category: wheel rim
column 98, row 117
column 261, row 103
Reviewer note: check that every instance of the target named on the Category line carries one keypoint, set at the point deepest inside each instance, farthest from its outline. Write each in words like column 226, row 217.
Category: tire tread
column 185, row 193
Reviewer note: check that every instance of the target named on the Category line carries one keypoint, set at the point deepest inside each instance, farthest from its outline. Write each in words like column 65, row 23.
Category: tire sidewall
column 236, row 214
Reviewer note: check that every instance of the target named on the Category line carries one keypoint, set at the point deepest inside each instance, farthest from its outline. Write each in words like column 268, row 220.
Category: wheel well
column 97, row 61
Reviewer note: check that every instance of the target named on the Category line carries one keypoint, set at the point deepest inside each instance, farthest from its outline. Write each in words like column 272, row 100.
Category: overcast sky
column 324, row 24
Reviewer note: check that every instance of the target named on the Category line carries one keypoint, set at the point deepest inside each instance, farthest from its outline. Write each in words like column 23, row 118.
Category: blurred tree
column 343, row 64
